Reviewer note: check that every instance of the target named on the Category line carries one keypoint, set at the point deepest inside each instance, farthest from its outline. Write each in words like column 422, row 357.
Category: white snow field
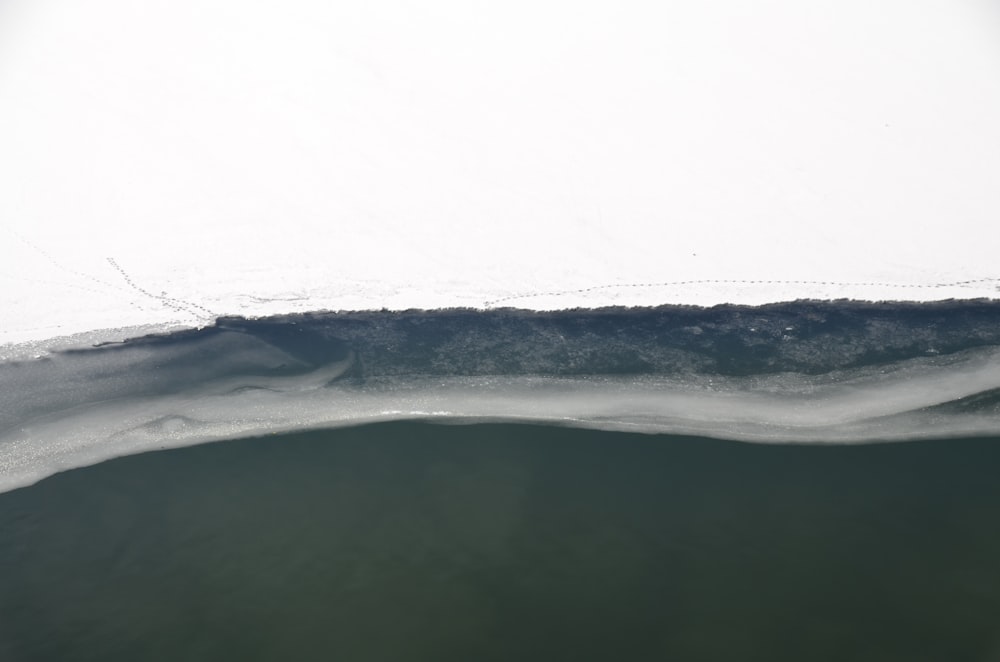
column 163, row 163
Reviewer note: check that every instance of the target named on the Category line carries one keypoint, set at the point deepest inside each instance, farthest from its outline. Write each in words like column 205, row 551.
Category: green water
column 411, row 541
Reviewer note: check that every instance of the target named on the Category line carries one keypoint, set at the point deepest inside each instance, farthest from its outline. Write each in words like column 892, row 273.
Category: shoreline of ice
column 48, row 328
column 841, row 414
column 812, row 372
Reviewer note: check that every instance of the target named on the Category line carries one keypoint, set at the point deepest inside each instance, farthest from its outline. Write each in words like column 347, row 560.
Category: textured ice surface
column 808, row 372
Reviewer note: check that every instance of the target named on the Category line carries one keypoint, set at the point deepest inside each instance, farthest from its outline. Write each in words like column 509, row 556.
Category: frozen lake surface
column 802, row 372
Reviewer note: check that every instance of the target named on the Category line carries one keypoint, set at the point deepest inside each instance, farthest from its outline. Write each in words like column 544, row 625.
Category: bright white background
column 257, row 157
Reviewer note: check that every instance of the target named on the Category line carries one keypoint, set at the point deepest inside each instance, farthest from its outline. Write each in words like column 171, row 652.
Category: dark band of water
column 410, row 541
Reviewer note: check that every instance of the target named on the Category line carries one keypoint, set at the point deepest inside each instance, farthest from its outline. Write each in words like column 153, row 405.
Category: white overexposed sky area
column 163, row 162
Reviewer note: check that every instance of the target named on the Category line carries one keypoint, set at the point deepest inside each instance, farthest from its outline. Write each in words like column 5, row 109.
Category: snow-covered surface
column 164, row 162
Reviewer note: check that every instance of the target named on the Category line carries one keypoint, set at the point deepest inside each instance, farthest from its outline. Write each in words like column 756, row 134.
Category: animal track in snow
column 169, row 302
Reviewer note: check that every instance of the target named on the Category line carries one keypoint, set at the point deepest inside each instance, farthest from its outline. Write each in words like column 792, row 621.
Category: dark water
column 411, row 541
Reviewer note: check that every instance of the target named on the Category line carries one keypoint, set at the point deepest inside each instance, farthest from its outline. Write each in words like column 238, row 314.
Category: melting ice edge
column 842, row 372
